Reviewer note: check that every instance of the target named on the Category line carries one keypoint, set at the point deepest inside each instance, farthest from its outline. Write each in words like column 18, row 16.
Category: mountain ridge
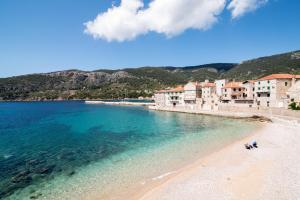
column 135, row 82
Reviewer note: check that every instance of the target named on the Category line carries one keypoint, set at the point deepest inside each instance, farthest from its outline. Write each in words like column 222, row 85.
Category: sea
column 73, row 150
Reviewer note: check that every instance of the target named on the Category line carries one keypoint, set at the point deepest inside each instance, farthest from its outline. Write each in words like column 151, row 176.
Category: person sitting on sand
column 254, row 143
column 248, row 146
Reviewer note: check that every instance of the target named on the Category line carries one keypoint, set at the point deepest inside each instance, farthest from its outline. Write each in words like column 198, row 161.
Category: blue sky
column 43, row 36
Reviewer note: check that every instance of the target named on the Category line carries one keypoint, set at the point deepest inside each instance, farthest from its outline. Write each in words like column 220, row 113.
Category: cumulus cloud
column 170, row 17
column 239, row 7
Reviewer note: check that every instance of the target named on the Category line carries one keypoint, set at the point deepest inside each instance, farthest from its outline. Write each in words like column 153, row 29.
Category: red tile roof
column 209, row 85
column 233, row 85
column 279, row 76
column 177, row 89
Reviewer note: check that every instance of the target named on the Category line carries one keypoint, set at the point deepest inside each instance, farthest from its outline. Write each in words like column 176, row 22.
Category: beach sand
column 272, row 171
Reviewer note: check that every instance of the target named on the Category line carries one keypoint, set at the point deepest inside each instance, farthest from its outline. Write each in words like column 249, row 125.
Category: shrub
column 294, row 106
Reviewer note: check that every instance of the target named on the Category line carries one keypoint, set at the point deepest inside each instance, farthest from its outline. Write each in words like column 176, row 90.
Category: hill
column 135, row 82
column 253, row 69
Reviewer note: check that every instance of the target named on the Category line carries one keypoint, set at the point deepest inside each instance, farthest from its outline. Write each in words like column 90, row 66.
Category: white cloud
column 239, row 7
column 170, row 17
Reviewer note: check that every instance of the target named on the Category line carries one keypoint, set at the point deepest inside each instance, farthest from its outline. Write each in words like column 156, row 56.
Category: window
column 286, row 83
column 225, row 90
column 268, row 94
column 258, row 88
column 234, row 89
column 259, row 82
column 268, row 87
column 268, row 81
column 258, row 95
column 240, row 89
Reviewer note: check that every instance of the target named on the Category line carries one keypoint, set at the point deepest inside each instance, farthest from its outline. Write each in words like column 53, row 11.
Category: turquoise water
column 69, row 150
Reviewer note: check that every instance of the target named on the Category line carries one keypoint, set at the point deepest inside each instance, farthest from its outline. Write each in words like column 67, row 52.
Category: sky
column 51, row 35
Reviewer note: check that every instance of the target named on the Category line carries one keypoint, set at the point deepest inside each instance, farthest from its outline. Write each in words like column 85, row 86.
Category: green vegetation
column 253, row 69
column 294, row 106
column 136, row 82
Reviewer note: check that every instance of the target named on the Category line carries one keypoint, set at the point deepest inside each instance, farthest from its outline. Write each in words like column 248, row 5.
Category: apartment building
column 209, row 98
column 271, row 91
column 160, row 98
column 219, row 85
column 232, row 91
column 293, row 92
column 276, row 90
column 192, row 91
column 175, row 97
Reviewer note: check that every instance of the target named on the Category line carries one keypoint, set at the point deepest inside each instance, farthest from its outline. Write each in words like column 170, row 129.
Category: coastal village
column 274, row 92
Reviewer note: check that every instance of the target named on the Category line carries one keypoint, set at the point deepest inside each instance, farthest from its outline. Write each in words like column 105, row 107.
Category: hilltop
column 135, row 82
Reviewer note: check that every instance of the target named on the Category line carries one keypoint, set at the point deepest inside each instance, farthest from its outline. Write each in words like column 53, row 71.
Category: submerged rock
column 71, row 173
column 23, row 176
column 46, row 170
column 35, row 196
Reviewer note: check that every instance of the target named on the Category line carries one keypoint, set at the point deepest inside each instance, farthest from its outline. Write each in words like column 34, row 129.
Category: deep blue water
column 39, row 140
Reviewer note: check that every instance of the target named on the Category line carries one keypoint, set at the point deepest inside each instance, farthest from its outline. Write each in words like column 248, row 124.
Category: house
column 175, row 97
column 209, row 97
column 160, row 98
column 232, row 91
column 219, row 85
column 248, row 95
column 271, row 91
column 293, row 92
column 192, row 91
column 276, row 91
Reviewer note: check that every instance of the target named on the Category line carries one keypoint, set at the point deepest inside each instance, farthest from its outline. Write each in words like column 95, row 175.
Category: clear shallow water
column 71, row 150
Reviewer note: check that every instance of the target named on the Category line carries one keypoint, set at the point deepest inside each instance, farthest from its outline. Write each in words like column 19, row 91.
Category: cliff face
column 135, row 82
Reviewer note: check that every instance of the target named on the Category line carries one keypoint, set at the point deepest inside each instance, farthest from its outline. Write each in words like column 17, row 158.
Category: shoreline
column 232, row 115
column 121, row 103
column 227, row 173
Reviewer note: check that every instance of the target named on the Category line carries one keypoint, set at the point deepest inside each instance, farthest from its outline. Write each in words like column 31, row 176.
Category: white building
column 174, row 97
column 219, row 85
column 209, row 98
column 192, row 91
column 160, row 98
column 276, row 90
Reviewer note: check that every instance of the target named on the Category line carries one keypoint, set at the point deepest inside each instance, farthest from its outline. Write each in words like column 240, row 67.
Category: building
column 232, row 91
column 248, row 95
column 192, row 91
column 271, row 91
column 175, row 97
column 209, row 97
column 160, row 98
column 276, row 91
column 219, row 85
column 293, row 92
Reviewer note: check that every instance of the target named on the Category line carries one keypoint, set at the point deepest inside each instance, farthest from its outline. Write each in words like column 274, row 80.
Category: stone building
column 271, row 91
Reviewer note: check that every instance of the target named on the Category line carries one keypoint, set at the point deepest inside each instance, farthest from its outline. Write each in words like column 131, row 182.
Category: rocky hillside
column 135, row 82
column 252, row 69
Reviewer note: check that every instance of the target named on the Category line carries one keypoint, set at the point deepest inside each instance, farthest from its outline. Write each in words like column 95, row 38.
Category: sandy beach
column 271, row 171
